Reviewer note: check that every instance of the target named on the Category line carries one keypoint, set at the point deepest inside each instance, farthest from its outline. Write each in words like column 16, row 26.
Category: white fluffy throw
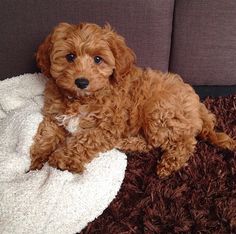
column 46, row 201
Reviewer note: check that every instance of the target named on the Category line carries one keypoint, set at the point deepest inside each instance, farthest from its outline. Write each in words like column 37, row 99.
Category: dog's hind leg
column 175, row 155
column 177, row 146
column 172, row 131
column 134, row 144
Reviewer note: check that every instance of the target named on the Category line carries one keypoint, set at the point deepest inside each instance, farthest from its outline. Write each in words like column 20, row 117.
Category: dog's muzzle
column 81, row 83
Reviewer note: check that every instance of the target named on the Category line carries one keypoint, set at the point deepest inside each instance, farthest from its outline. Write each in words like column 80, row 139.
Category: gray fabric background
column 201, row 45
column 204, row 41
column 146, row 25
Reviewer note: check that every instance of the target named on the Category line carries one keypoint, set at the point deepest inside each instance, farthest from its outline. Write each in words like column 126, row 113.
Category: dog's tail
column 208, row 132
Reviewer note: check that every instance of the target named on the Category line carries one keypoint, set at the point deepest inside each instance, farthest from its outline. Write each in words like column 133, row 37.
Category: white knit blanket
column 49, row 200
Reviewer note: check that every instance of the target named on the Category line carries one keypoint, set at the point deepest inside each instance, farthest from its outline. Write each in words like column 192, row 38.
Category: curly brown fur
column 122, row 106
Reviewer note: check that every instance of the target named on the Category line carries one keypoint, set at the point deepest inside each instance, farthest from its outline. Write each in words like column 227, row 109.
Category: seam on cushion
column 172, row 34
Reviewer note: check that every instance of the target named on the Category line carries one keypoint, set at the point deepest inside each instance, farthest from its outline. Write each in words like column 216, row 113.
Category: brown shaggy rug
column 200, row 198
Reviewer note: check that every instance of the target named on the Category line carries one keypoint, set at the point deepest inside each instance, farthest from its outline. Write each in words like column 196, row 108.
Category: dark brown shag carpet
column 200, row 198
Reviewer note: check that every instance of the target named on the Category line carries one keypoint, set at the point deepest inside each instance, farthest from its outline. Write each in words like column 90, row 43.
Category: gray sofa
column 194, row 38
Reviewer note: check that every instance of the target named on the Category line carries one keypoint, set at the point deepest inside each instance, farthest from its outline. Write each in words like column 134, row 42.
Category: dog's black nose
column 81, row 83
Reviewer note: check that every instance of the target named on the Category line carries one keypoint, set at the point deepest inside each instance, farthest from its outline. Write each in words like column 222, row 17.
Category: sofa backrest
column 196, row 39
column 204, row 41
column 146, row 25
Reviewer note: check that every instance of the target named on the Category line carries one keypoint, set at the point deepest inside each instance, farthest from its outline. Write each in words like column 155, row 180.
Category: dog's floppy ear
column 124, row 56
column 43, row 54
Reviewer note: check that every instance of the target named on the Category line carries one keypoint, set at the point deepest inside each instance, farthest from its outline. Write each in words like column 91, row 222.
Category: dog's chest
column 69, row 122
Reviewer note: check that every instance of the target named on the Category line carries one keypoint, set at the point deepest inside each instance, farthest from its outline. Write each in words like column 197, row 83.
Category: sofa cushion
column 204, row 42
column 146, row 25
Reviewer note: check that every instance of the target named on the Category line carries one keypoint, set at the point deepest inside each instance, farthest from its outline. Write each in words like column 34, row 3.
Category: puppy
column 96, row 99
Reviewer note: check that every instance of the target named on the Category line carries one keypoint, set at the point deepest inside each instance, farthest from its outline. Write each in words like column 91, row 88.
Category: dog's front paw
column 36, row 165
column 37, row 162
column 61, row 161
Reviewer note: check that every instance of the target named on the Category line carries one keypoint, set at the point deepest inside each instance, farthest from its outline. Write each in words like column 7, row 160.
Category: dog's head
column 85, row 58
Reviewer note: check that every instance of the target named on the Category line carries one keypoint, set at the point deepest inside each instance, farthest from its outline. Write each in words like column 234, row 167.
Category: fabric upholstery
column 146, row 25
column 204, row 41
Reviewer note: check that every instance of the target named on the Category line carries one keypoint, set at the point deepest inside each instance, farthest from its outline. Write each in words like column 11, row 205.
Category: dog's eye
column 70, row 57
column 97, row 59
